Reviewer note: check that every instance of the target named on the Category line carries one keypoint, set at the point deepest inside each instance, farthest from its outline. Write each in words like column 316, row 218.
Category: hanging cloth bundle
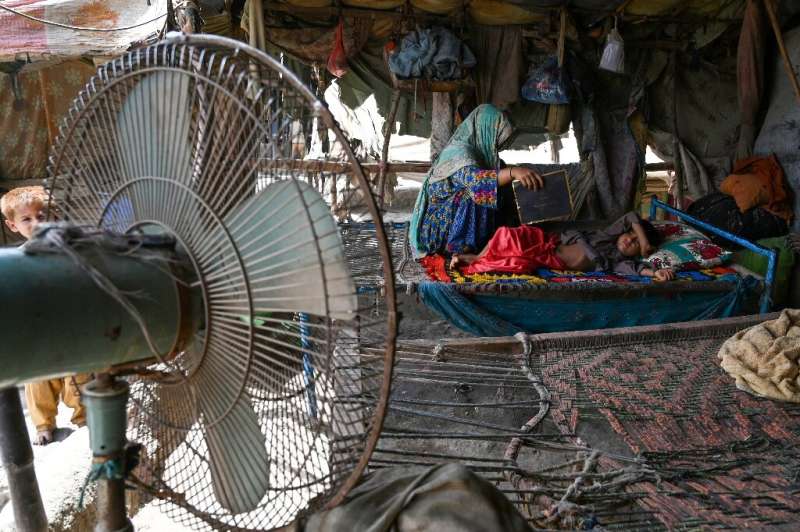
column 337, row 61
column 613, row 58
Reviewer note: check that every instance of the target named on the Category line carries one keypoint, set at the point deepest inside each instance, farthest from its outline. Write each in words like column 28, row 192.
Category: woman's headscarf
column 476, row 142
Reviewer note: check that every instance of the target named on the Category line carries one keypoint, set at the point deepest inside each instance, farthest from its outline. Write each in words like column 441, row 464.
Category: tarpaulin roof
column 27, row 39
column 527, row 11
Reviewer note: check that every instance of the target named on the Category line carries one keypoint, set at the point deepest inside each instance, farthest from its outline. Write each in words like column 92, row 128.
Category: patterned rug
column 715, row 456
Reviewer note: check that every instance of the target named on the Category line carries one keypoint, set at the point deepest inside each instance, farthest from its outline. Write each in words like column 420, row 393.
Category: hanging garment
column 433, row 53
column 498, row 75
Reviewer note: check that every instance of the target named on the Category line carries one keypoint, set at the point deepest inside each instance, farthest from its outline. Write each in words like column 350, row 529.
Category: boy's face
column 628, row 244
column 26, row 219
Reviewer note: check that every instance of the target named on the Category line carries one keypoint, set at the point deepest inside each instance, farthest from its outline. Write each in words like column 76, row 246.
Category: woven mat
column 721, row 457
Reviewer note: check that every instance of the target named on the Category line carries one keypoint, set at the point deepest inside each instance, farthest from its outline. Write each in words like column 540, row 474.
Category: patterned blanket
column 437, row 270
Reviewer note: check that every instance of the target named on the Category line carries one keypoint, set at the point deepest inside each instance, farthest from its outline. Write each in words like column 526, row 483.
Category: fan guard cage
column 178, row 137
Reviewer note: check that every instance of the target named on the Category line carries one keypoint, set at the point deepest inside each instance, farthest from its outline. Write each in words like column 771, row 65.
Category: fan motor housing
column 54, row 299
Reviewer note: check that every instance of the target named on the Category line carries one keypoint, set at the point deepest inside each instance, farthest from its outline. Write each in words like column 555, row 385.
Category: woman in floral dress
column 456, row 208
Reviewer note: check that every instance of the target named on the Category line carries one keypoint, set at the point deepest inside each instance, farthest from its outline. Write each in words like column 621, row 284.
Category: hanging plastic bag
column 613, row 58
column 337, row 61
column 546, row 84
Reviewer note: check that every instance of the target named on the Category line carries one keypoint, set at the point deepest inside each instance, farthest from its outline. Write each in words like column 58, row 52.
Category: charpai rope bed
column 551, row 301
column 623, row 428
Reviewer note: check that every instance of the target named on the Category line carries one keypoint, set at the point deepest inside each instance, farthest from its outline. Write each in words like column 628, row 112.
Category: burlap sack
column 763, row 358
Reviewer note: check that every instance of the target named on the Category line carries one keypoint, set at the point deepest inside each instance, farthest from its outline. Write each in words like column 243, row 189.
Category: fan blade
column 292, row 252
column 153, row 136
column 237, row 455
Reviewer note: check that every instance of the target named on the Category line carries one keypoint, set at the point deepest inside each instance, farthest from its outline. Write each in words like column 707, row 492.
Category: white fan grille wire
column 181, row 137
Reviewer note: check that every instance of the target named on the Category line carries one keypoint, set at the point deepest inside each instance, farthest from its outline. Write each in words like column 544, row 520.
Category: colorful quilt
column 437, row 270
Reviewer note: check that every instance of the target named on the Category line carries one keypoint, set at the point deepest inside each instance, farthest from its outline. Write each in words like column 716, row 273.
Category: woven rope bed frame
column 622, row 428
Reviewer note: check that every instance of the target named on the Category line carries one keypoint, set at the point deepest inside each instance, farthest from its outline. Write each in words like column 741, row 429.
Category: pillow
column 685, row 248
column 747, row 189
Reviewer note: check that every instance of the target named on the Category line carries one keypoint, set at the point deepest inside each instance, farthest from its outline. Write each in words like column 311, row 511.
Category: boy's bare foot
column 464, row 259
column 43, row 437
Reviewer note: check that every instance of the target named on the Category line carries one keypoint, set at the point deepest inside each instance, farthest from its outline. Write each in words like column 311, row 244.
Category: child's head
column 628, row 243
column 23, row 209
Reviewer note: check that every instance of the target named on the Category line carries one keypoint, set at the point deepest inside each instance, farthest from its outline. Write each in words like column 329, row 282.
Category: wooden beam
column 658, row 167
column 343, row 167
column 8, row 184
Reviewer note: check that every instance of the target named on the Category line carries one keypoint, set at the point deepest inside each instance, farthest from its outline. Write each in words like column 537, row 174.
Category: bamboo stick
column 776, row 28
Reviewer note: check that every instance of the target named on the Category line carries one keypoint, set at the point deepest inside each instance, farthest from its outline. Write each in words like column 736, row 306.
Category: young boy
column 523, row 249
column 23, row 209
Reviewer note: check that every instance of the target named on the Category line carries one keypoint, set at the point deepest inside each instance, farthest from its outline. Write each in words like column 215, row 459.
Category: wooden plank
column 8, row 184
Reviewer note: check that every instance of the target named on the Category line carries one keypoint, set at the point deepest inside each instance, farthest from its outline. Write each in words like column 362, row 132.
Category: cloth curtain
column 750, row 75
column 500, row 68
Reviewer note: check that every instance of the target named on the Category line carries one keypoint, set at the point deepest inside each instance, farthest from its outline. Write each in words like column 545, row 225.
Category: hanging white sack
column 614, row 53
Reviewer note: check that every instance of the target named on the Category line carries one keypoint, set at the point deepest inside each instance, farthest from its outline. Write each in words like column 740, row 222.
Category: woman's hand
column 526, row 176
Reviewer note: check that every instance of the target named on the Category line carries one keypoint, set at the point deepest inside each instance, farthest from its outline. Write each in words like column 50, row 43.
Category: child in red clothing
column 523, row 249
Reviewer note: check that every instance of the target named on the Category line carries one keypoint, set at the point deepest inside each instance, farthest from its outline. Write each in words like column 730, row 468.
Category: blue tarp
column 497, row 315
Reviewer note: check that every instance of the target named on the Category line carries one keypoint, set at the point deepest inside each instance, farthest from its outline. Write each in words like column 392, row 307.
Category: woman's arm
column 529, row 178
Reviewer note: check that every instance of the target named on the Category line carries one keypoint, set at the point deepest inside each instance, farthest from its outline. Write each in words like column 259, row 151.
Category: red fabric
column 518, row 250
column 435, row 268
column 337, row 61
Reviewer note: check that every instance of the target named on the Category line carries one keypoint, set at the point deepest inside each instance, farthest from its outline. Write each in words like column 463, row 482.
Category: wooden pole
column 676, row 162
column 388, row 129
column 17, row 458
column 787, row 63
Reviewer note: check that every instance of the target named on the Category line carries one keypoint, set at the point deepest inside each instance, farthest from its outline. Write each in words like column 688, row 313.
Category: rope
column 108, row 470
column 77, row 28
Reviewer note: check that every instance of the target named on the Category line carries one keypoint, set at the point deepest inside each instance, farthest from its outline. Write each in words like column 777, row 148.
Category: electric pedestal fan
column 199, row 267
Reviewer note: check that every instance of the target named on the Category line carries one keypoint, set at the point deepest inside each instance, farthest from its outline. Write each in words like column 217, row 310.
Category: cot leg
column 308, row 366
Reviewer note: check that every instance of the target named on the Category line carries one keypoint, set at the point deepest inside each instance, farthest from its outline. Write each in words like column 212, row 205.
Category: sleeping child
column 523, row 249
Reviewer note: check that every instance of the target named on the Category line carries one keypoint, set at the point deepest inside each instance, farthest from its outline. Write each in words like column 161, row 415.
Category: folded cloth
column 433, row 53
column 759, row 181
column 763, row 358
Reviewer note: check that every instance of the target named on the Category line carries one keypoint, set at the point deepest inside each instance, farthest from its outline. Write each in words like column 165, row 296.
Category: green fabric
column 440, row 498
column 475, row 142
column 758, row 264
column 367, row 77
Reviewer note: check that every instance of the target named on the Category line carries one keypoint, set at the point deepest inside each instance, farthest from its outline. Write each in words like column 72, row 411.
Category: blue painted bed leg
column 653, row 208
column 308, row 366
column 771, row 254
column 772, row 268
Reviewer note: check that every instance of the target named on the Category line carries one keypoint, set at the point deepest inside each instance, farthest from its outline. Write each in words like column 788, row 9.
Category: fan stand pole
column 15, row 448
column 106, row 400
column 308, row 366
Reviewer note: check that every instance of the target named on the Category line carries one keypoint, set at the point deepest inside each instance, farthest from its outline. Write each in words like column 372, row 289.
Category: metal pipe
column 770, row 254
column 62, row 323
column 111, row 515
column 17, row 456
column 106, row 406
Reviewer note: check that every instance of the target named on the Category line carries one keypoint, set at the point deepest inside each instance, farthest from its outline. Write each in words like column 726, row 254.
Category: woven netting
column 627, row 428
